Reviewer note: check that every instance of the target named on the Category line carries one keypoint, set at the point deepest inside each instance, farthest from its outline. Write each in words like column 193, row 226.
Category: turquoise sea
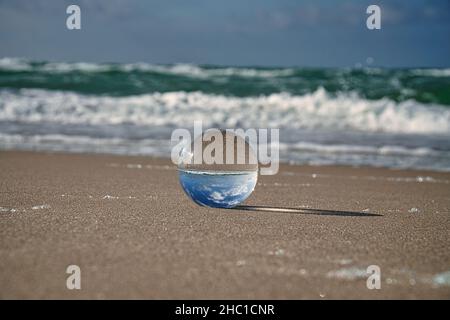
column 398, row 118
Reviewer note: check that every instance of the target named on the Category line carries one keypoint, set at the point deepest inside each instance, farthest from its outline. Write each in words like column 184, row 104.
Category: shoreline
column 308, row 232
column 289, row 163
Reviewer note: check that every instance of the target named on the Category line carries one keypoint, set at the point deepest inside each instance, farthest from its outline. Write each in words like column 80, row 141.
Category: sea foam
column 281, row 110
column 183, row 69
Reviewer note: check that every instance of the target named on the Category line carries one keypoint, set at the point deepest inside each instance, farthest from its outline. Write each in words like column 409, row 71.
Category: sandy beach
column 307, row 232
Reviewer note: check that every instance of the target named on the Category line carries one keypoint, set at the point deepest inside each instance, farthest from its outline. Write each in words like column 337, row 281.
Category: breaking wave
column 185, row 69
column 344, row 111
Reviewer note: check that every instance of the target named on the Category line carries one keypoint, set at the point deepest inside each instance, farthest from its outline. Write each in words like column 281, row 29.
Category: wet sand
column 308, row 232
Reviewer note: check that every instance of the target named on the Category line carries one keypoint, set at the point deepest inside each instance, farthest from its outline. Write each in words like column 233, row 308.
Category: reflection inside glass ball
column 218, row 170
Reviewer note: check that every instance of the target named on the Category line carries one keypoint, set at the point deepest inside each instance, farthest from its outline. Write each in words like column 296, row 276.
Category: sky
column 320, row 33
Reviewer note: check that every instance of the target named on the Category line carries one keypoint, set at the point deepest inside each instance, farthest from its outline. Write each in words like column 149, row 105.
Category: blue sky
column 330, row 33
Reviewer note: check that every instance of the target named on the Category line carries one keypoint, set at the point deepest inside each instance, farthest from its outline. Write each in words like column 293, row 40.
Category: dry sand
column 128, row 225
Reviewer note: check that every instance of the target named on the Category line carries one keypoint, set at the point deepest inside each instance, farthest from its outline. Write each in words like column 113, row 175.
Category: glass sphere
column 219, row 169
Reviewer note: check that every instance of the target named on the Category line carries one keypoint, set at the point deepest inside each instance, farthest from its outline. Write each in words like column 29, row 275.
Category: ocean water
column 397, row 118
